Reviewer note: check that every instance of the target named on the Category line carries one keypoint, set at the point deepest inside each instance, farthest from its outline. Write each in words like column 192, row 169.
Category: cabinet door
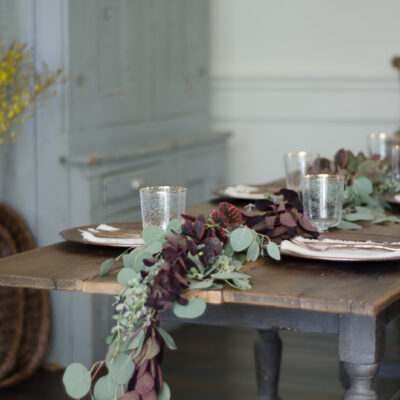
column 181, row 57
column 108, row 55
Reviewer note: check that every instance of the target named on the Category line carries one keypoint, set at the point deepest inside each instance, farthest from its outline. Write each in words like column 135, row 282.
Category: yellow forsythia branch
column 22, row 88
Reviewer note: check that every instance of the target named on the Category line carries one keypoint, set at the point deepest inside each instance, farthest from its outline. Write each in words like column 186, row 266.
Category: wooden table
column 354, row 301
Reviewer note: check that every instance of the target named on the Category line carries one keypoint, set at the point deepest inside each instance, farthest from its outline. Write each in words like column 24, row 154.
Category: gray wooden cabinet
column 133, row 112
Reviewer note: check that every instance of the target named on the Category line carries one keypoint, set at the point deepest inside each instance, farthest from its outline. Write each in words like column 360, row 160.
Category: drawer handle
column 137, row 184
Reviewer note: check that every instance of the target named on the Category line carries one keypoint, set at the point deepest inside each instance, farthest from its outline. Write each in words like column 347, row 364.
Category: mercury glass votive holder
column 395, row 160
column 323, row 200
column 299, row 164
column 161, row 204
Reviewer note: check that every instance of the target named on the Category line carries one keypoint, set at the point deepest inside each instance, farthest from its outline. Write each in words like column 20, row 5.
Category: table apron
column 262, row 317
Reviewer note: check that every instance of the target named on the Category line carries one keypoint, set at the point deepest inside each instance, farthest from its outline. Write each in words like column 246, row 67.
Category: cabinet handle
column 137, row 184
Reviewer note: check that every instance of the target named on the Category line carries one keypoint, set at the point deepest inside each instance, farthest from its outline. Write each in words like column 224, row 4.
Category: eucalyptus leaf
column 175, row 225
column 126, row 275
column 228, row 251
column 77, row 380
column 122, row 368
column 137, row 341
column 363, row 185
column 193, row 309
column 198, row 285
column 139, row 265
column 229, row 275
column 168, row 339
column 359, row 216
column 243, row 284
column 154, row 248
column 106, row 389
column 165, row 393
column 107, row 266
column 273, row 251
column 345, row 225
column 253, row 251
column 152, row 234
column 129, row 259
column 241, row 239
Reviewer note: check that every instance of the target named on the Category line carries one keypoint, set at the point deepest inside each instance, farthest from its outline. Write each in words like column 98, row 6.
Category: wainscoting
column 271, row 116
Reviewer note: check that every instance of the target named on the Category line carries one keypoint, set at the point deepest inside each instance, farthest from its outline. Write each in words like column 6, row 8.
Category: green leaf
column 197, row 285
column 228, row 251
column 168, row 339
column 345, row 225
column 126, row 275
column 165, row 393
column 107, row 266
column 229, row 275
column 137, row 341
column 139, row 265
column 273, row 251
column 152, row 234
column 241, row 239
column 175, row 225
column 367, row 166
column 253, row 251
column 243, row 284
column 363, row 185
column 129, row 259
column 121, row 368
column 106, row 389
column 77, row 380
column 152, row 348
column 359, row 216
column 154, row 248
column 193, row 309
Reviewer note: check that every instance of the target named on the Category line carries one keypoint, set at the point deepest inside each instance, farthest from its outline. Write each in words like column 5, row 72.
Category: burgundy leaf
column 215, row 244
column 287, row 220
column 188, row 218
column 144, row 384
column 170, row 254
column 341, row 158
column 150, row 396
column 199, row 228
column 263, row 205
column 130, row 396
column 270, row 221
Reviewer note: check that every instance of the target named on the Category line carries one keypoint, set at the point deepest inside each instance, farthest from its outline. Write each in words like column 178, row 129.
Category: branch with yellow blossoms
column 22, row 88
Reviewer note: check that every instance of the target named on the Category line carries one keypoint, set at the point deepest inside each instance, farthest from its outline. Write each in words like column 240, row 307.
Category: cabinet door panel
column 108, row 62
column 181, row 57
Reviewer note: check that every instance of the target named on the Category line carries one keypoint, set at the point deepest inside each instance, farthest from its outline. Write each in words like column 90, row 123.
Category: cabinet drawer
column 127, row 184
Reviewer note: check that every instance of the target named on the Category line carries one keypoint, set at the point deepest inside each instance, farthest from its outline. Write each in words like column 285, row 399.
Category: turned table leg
column 361, row 341
column 267, row 351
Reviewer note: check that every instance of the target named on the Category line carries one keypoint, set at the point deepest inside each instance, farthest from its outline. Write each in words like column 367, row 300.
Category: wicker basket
column 32, row 307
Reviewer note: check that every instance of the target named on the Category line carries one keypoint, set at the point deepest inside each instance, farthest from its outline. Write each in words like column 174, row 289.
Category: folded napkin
column 244, row 191
column 329, row 249
column 100, row 235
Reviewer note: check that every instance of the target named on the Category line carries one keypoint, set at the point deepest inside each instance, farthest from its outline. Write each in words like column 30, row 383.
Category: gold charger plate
column 126, row 230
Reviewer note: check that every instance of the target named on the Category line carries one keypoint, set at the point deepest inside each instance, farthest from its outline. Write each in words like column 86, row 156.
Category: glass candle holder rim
column 301, row 154
column 163, row 189
column 324, row 177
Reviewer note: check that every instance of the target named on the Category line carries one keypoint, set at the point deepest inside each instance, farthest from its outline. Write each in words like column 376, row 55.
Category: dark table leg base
column 267, row 350
column 361, row 377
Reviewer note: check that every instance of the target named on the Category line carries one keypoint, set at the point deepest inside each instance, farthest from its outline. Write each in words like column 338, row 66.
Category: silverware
column 323, row 246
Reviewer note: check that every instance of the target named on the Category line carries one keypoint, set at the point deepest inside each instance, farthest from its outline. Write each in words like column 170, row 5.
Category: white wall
column 294, row 75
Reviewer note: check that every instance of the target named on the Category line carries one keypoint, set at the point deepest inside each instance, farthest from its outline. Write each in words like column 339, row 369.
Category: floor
column 217, row 363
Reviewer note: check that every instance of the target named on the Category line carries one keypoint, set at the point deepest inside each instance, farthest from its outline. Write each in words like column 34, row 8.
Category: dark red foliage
column 282, row 220
column 220, row 218
column 231, row 212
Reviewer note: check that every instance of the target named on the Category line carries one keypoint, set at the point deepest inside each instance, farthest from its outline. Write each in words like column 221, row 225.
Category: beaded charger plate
column 119, row 234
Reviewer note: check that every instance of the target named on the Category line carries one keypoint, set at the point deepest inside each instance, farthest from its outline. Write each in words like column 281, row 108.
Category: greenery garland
column 367, row 179
column 193, row 254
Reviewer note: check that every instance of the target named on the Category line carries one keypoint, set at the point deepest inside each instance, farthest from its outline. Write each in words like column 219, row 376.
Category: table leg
column 361, row 341
column 267, row 351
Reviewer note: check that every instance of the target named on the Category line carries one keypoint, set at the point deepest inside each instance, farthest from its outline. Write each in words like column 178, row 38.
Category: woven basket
column 34, row 308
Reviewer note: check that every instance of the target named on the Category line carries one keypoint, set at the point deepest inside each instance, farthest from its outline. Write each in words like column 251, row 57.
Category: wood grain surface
column 362, row 289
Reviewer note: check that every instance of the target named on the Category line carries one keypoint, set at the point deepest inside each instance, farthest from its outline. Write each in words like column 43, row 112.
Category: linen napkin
column 305, row 247
column 107, row 234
